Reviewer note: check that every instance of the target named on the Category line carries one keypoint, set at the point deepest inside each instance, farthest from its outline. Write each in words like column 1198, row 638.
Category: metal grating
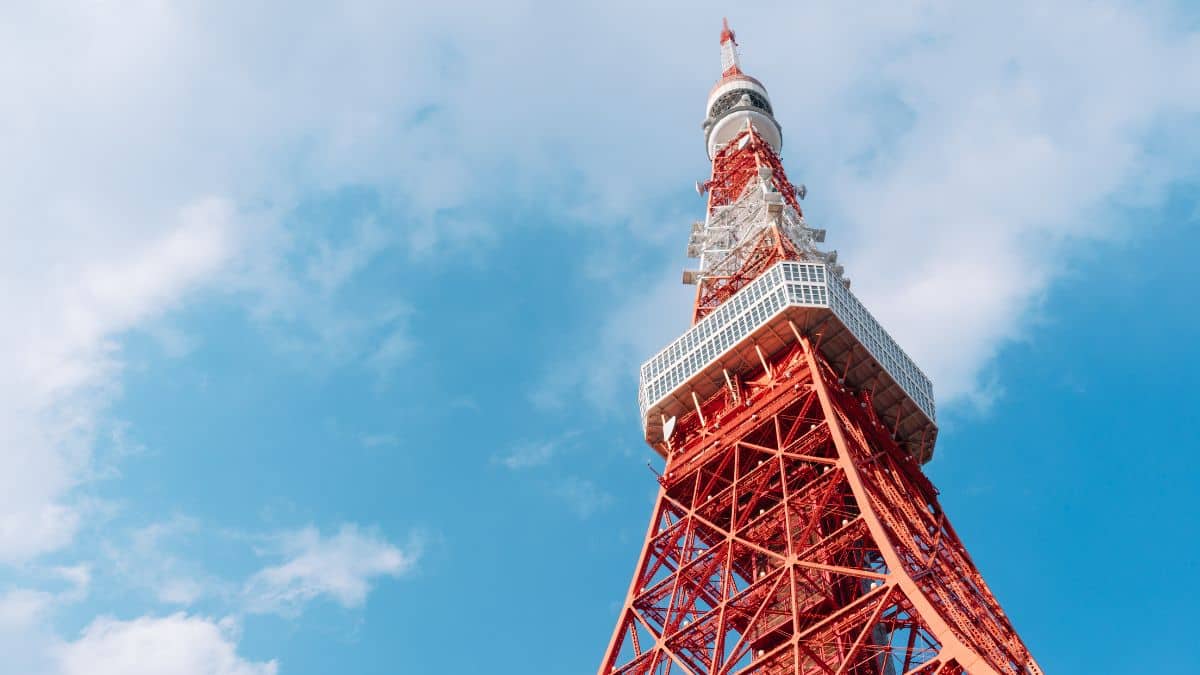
column 788, row 283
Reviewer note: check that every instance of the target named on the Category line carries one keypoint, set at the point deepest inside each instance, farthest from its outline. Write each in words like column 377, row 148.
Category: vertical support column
column 952, row 646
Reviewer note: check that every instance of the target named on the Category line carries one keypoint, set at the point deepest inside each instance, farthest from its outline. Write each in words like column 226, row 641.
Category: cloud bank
column 956, row 153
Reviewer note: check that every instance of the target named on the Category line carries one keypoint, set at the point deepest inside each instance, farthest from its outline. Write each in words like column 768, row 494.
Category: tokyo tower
column 794, row 531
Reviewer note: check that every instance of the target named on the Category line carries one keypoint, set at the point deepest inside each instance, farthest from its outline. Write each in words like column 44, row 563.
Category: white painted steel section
column 728, row 235
column 870, row 334
column 786, row 284
column 729, row 55
column 734, row 123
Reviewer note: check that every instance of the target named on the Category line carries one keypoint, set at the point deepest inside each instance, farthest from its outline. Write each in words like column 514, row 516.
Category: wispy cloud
column 63, row 363
column 159, row 560
column 301, row 289
column 149, row 559
column 342, row 567
column 529, row 454
column 393, row 347
column 374, row 441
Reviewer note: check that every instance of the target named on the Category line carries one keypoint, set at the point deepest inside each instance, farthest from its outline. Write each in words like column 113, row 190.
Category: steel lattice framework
column 747, row 160
column 794, row 531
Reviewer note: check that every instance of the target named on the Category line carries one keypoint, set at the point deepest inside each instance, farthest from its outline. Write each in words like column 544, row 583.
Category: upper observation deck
column 815, row 300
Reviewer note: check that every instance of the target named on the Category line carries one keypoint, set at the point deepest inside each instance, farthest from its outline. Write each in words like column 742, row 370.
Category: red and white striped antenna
column 729, row 55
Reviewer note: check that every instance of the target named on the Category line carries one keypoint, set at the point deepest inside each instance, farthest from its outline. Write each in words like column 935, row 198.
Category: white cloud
column 23, row 606
column 25, row 640
column 383, row 440
column 342, row 567
column 78, row 578
column 61, row 360
column 153, row 560
column 147, row 560
column 1025, row 128
column 296, row 285
column 528, row 454
column 393, row 347
column 172, row 645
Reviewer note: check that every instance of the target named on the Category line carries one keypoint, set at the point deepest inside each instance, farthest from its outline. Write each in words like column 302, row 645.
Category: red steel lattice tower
column 794, row 531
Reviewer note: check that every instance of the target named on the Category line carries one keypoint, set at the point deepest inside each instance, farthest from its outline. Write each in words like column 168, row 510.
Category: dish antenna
column 668, row 427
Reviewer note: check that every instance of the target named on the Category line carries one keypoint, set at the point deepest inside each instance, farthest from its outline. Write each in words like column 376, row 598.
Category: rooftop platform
column 817, row 302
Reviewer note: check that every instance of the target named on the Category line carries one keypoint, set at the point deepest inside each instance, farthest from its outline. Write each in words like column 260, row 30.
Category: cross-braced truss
column 793, row 535
column 754, row 221
column 738, row 163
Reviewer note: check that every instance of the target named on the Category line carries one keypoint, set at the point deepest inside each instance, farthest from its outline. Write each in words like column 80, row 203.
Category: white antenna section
column 729, row 56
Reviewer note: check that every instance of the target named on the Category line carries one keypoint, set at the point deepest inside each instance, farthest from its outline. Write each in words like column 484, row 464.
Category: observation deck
column 814, row 299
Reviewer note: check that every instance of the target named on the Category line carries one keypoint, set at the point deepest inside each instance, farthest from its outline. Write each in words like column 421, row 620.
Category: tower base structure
column 794, row 534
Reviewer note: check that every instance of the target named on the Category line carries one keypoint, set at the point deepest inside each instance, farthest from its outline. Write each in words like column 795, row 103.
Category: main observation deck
column 816, row 301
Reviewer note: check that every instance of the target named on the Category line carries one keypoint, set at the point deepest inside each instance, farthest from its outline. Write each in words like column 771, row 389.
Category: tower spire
column 729, row 55
column 737, row 99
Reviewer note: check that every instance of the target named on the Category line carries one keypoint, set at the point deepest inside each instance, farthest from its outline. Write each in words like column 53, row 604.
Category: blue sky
column 321, row 325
